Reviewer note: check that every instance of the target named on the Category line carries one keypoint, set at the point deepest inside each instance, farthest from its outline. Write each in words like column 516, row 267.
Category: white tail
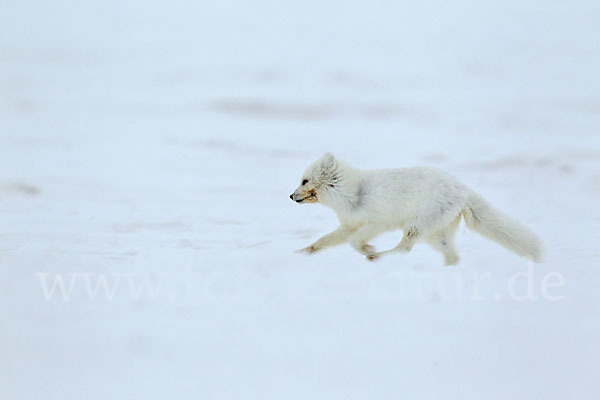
column 481, row 217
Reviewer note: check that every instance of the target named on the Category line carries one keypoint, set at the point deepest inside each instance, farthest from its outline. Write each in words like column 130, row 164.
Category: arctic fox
column 426, row 203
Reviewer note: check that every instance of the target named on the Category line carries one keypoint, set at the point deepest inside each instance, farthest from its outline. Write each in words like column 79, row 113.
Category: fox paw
column 367, row 249
column 451, row 260
column 308, row 250
column 372, row 257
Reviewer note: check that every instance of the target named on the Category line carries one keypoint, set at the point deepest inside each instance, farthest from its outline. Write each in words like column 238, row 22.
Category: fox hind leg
column 443, row 241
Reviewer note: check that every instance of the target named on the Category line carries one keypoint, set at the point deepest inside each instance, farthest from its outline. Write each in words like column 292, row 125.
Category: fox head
column 318, row 180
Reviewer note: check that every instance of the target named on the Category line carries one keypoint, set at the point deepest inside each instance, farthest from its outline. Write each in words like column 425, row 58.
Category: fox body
column 425, row 203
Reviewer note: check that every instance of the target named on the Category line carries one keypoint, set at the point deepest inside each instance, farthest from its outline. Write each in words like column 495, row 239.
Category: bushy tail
column 481, row 217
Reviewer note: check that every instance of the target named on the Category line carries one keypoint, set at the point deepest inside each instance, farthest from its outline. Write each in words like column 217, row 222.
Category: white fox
column 426, row 203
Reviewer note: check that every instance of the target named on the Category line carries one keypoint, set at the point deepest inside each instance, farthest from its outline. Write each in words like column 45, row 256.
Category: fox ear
column 328, row 160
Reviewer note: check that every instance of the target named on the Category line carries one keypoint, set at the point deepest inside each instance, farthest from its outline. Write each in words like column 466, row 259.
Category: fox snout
column 304, row 196
column 295, row 197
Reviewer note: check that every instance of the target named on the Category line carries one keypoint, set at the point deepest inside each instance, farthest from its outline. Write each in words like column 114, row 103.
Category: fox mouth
column 309, row 199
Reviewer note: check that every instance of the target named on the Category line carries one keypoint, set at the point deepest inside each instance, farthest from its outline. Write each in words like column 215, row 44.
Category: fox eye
column 304, row 182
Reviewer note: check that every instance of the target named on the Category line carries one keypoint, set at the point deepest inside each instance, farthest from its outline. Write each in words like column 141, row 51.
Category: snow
column 161, row 140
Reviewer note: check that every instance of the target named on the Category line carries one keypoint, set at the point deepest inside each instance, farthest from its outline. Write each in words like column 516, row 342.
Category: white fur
column 426, row 203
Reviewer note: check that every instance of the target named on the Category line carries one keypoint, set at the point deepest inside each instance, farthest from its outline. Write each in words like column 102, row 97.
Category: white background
column 161, row 138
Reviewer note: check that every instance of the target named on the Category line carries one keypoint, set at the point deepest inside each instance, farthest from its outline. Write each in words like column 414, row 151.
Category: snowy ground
column 154, row 144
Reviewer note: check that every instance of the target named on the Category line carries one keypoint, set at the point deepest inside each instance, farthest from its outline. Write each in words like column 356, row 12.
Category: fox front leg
column 360, row 239
column 406, row 244
column 337, row 237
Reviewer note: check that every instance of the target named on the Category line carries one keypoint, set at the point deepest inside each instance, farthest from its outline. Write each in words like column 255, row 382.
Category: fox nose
column 291, row 196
